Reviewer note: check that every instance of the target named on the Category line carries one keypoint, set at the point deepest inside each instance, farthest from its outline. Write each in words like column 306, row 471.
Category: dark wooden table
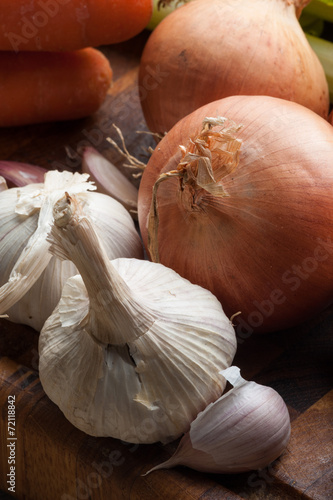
column 55, row 461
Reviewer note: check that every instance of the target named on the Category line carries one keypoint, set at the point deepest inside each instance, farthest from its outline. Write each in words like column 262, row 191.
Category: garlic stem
column 115, row 315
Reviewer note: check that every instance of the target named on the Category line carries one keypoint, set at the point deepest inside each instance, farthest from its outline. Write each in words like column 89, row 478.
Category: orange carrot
column 38, row 87
column 57, row 25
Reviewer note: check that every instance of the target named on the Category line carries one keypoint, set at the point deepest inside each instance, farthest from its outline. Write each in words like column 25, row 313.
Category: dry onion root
column 246, row 213
column 205, row 51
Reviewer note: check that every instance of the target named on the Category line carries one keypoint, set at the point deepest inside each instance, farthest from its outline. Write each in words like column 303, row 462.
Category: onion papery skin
column 204, row 51
column 266, row 249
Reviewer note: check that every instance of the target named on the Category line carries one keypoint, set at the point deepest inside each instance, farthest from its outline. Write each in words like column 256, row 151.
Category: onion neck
column 212, row 155
column 115, row 315
column 299, row 5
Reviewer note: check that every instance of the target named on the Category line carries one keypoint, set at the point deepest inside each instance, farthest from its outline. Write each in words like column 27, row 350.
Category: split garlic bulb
column 132, row 351
column 246, row 429
column 31, row 279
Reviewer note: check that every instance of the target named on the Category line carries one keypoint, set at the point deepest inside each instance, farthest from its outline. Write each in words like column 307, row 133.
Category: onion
column 257, row 229
column 204, row 51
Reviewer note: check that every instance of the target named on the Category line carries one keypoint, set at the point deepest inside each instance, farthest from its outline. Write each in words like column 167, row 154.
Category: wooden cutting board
column 55, row 461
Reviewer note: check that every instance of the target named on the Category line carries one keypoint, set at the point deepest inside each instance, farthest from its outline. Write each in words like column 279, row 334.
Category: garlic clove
column 20, row 174
column 109, row 179
column 40, row 300
column 246, row 429
column 132, row 350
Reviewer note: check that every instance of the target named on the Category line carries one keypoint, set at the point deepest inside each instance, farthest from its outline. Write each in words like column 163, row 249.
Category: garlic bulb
column 132, row 351
column 245, row 429
column 25, row 262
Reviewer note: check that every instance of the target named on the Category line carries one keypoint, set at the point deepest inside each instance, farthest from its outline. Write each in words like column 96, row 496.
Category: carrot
column 40, row 87
column 57, row 25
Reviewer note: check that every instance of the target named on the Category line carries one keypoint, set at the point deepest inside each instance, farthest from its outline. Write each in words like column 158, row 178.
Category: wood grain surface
column 55, row 461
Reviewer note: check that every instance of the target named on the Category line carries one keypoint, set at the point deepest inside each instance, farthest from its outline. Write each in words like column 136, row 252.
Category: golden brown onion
column 207, row 50
column 266, row 248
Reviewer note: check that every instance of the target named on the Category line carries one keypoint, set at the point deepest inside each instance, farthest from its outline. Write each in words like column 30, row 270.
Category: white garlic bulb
column 246, row 429
column 31, row 279
column 132, row 351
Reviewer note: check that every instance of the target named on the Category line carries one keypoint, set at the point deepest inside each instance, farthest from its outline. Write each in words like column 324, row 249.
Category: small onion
column 256, row 232
column 204, row 51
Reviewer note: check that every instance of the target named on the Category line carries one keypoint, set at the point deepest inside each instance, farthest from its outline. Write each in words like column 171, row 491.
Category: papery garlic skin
column 3, row 184
column 245, row 429
column 31, row 279
column 132, row 351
